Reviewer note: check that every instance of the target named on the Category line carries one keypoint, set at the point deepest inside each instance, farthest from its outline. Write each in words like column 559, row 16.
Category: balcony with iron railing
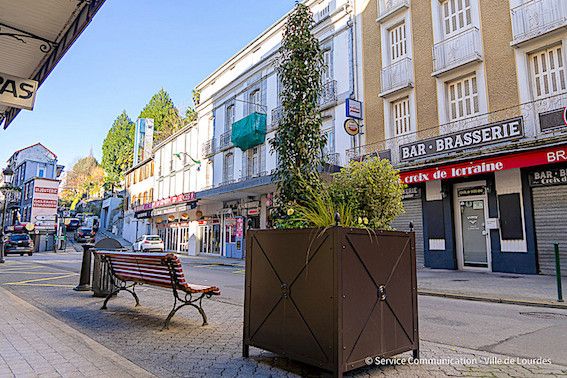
column 537, row 17
column 225, row 140
column 457, row 50
column 332, row 158
column 396, row 76
column 541, row 119
column 328, row 94
column 387, row 8
column 208, row 148
column 277, row 115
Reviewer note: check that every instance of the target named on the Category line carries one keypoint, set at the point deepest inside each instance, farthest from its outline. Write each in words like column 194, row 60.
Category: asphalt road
column 499, row 328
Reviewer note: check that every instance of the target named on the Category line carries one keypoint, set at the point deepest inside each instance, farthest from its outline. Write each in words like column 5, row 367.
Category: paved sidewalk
column 525, row 289
column 33, row 343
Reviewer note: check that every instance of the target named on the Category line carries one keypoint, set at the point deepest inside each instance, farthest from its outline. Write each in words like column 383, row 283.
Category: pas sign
column 17, row 92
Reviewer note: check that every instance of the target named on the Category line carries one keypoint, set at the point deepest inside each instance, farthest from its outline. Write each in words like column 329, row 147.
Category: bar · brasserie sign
column 480, row 136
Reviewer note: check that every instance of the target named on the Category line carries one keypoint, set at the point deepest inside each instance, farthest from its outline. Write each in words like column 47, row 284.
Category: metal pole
column 558, row 274
column 85, row 278
column 2, row 230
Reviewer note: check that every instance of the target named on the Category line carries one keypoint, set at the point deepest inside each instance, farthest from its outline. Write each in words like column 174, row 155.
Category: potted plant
column 331, row 285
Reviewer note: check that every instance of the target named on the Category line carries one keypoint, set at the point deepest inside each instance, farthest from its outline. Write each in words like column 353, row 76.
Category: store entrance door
column 209, row 237
column 471, row 212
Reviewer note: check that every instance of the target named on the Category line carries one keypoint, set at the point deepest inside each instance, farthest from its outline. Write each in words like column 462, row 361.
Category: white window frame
column 466, row 97
column 328, row 62
column 439, row 20
column 460, row 16
column 401, row 117
column 397, row 42
column 230, row 116
column 255, row 101
column 548, row 71
column 228, row 169
column 385, row 45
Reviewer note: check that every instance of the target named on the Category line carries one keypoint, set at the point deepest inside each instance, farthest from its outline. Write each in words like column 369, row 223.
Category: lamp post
column 8, row 174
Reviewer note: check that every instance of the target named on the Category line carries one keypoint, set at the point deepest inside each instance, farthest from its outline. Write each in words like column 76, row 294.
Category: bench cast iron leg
column 108, row 298
column 186, row 302
column 134, row 295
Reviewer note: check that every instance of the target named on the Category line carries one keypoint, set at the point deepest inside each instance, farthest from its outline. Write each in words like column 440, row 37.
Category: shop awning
column 35, row 35
column 532, row 158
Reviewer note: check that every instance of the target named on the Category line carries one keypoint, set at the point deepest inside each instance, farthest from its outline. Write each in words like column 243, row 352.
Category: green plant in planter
column 298, row 141
column 372, row 189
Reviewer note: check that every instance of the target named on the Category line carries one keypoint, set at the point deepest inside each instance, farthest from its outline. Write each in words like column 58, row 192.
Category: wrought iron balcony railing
column 208, row 148
column 389, row 7
column 225, row 140
column 457, row 50
column 542, row 119
column 328, row 93
column 537, row 17
column 332, row 159
column 397, row 76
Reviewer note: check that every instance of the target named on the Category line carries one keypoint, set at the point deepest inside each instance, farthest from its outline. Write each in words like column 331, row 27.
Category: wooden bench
column 158, row 269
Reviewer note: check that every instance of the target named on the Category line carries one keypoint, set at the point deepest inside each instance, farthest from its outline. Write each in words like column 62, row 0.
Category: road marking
column 240, row 271
column 42, row 279
column 39, row 284
column 36, row 273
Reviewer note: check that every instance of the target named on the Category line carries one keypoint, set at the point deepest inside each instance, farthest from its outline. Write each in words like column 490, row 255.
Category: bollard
column 85, row 279
column 558, row 274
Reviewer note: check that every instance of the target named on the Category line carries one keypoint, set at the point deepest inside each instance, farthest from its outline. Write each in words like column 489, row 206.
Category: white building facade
column 180, row 171
column 138, row 201
column 245, row 90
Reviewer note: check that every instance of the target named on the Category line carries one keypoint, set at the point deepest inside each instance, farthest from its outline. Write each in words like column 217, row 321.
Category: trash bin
column 102, row 278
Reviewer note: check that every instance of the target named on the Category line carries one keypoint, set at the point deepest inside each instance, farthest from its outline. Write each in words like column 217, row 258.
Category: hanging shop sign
column 548, row 177
column 352, row 127
column 40, row 190
column 144, row 207
column 143, row 214
column 545, row 156
column 474, row 191
column 45, row 203
column 353, row 108
column 184, row 216
column 170, row 210
column 186, row 197
column 17, row 92
column 480, row 136
column 253, row 212
column 412, row 192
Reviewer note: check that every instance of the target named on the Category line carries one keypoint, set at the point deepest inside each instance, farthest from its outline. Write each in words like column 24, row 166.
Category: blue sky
column 131, row 50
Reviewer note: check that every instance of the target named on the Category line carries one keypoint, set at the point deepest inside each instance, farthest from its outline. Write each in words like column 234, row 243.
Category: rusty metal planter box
column 331, row 299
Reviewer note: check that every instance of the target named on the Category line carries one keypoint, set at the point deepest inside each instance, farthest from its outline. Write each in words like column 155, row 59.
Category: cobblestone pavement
column 187, row 349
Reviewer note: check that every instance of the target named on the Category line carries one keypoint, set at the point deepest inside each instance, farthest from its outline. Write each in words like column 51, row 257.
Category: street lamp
column 8, row 173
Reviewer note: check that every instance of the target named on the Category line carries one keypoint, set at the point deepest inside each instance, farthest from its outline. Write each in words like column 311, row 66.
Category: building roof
column 36, row 34
column 28, row 147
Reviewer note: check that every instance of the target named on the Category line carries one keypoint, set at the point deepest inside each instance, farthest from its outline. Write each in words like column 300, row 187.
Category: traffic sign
column 46, row 217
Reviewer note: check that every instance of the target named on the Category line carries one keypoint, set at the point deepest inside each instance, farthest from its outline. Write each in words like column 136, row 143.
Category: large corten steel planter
column 333, row 299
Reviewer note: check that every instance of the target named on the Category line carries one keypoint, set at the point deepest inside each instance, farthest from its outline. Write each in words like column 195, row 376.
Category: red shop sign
column 182, row 198
column 41, row 190
column 45, row 203
column 476, row 167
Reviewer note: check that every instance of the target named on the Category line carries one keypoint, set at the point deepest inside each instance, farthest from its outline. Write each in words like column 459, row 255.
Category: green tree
column 298, row 141
column 167, row 119
column 118, row 149
column 84, row 180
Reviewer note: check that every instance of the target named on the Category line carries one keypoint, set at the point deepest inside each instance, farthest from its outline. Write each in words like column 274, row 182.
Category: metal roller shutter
column 550, row 214
column 413, row 214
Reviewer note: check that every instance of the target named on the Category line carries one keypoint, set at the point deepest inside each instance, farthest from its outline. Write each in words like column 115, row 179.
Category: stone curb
column 481, row 298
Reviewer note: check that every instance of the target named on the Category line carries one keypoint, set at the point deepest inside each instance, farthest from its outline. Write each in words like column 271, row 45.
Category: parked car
column 84, row 235
column 18, row 243
column 148, row 243
column 72, row 224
